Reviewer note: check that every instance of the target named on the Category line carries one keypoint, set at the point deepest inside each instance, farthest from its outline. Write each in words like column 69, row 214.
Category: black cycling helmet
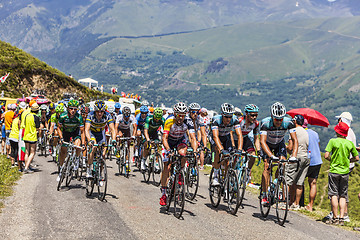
column 126, row 111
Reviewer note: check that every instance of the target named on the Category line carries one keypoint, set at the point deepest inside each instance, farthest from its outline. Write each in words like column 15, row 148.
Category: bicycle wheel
column 242, row 175
column 214, row 191
column 45, row 145
column 281, row 200
column 169, row 192
column 232, row 191
column 127, row 164
column 179, row 194
column 69, row 171
column 264, row 208
column 192, row 181
column 62, row 175
column 148, row 170
column 102, row 180
column 158, row 166
column 89, row 186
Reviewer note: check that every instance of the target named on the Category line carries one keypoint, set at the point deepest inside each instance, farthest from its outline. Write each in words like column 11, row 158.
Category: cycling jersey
column 276, row 134
column 152, row 126
column 99, row 125
column 195, row 124
column 218, row 124
column 175, row 131
column 123, row 123
column 54, row 118
column 70, row 124
column 245, row 130
column 140, row 121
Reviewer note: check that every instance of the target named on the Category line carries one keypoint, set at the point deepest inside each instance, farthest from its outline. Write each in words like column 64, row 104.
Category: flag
column 3, row 78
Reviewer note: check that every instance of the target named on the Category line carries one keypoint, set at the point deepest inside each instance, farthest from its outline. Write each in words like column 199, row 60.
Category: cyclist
column 221, row 127
column 95, row 125
column 193, row 118
column 117, row 109
column 43, row 121
column 53, row 126
column 71, row 125
column 272, row 133
column 140, row 122
column 249, row 125
column 174, row 136
column 205, row 129
column 151, row 130
column 51, row 112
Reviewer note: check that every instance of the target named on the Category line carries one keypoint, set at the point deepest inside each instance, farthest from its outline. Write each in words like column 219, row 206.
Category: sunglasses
column 100, row 111
column 193, row 111
column 253, row 115
column 71, row 108
column 278, row 120
column 227, row 116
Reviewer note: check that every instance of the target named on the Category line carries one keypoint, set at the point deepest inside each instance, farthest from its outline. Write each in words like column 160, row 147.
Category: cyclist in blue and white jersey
column 221, row 127
column 140, row 122
column 272, row 133
column 95, row 125
column 117, row 110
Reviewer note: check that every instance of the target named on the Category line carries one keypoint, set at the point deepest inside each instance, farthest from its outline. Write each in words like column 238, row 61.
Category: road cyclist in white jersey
column 193, row 118
column 221, row 127
column 272, row 133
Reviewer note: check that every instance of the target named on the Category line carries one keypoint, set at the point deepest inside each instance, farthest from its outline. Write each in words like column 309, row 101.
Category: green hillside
column 28, row 73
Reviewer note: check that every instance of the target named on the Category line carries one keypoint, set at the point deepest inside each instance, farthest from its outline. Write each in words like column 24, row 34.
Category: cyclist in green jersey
column 71, row 125
column 54, row 119
column 151, row 128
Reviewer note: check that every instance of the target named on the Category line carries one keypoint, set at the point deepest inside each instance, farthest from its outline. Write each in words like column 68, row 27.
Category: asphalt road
column 132, row 211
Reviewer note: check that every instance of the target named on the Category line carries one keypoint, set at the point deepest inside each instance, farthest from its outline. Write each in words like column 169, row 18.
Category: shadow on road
column 219, row 208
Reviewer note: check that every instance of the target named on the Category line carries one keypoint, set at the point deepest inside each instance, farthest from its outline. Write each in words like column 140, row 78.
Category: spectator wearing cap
column 14, row 140
column 295, row 179
column 340, row 149
column 315, row 163
column 32, row 124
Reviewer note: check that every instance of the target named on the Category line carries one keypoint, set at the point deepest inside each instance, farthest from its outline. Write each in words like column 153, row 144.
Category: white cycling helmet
column 194, row 106
column 238, row 111
column 111, row 108
column 227, row 109
column 278, row 110
column 43, row 107
column 180, row 107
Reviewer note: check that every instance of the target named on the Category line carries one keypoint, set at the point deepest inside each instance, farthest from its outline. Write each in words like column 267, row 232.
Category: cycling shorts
column 226, row 142
column 125, row 132
column 140, row 127
column 278, row 149
column 154, row 136
column 74, row 135
column 99, row 137
column 173, row 144
column 248, row 145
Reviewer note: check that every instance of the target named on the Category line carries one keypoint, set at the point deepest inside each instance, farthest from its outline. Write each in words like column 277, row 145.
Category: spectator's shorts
column 98, row 136
column 278, row 149
column 3, row 133
column 7, row 133
column 313, row 171
column 297, row 177
column 338, row 185
column 14, row 149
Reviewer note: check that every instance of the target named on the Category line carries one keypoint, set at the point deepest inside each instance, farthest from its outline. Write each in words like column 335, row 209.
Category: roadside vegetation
column 8, row 177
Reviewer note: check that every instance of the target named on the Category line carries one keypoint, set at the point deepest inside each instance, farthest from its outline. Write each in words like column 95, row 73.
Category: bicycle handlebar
column 73, row 145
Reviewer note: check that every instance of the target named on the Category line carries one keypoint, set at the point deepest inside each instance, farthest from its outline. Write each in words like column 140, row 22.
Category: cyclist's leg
column 248, row 146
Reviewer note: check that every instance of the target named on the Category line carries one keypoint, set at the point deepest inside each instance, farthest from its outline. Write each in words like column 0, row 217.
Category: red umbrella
column 314, row 117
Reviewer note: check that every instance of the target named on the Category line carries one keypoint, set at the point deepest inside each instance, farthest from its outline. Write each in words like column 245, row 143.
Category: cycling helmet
column 180, row 107
column 278, row 110
column 52, row 106
column 59, row 108
column 227, row 109
column 117, row 105
column 299, row 119
column 151, row 109
column 126, row 111
column 84, row 110
column 73, row 103
column 111, row 109
column 99, row 105
column 251, row 108
column 158, row 113
column 145, row 103
column 194, row 106
column 238, row 111
column 43, row 107
column 144, row 109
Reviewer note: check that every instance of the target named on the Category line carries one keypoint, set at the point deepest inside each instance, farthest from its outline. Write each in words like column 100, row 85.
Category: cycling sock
column 163, row 190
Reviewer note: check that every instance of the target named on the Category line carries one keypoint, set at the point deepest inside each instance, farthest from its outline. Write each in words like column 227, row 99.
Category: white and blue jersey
column 217, row 124
column 276, row 134
column 140, row 122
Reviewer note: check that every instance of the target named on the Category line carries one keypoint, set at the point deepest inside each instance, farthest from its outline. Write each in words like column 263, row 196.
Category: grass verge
column 8, row 177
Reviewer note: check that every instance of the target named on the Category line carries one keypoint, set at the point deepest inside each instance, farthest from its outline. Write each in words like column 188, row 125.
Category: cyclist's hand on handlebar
column 113, row 142
column 224, row 152
column 274, row 158
column 238, row 151
column 91, row 143
column 292, row 159
column 61, row 141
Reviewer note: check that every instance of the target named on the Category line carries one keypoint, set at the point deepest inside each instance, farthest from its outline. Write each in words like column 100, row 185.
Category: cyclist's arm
column 87, row 131
column 193, row 141
column 117, row 128
column 232, row 139
column 146, row 133
column 165, row 141
column 203, row 135
column 290, row 146
column 240, row 137
column 257, row 143
column 264, row 145
column 113, row 130
column 296, row 144
column 82, row 134
column 217, row 139
column 52, row 125
column 134, row 129
column 60, row 131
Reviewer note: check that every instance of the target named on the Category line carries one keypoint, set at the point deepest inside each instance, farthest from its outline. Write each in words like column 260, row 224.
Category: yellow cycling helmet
column 137, row 111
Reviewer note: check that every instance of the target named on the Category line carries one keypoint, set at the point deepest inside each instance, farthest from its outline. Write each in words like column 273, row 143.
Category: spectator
column 340, row 148
column 315, row 164
column 32, row 124
column 14, row 141
column 295, row 179
column 102, row 88
column 8, row 119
